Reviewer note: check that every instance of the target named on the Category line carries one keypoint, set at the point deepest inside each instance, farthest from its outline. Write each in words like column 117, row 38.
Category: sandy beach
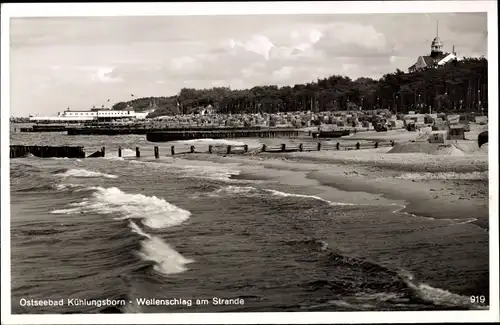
column 447, row 186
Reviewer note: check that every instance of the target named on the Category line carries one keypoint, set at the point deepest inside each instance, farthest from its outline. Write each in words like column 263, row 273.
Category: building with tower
column 436, row 58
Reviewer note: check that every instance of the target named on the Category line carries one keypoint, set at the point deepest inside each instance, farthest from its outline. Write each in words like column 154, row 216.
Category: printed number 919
column 477, row 299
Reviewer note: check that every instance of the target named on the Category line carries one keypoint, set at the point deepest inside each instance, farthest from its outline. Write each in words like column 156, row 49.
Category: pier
column 45, row 128
column 165, row 136
column 145, row 129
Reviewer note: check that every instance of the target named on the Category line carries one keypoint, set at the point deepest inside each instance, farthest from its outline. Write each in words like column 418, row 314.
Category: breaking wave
column 154, row 212
column 382, row 286
column 84, row 173
column 167, row 260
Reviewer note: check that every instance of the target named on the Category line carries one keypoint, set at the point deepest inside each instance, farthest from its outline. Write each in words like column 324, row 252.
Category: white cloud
column 257, row 43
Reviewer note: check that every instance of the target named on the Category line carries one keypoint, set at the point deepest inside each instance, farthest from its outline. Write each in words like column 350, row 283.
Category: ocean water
column 180, row 230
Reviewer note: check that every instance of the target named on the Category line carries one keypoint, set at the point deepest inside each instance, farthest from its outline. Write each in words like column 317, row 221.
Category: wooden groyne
column 165, row 136
column 47, row 152
column 78, row 152
column 243, row 149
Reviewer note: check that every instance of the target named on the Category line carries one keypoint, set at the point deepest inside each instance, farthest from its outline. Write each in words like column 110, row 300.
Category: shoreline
column 442, row 188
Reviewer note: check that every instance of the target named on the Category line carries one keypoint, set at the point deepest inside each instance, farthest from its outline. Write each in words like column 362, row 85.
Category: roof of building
column 429, row 60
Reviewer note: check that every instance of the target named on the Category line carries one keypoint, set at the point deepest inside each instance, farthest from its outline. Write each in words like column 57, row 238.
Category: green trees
column 458, row 86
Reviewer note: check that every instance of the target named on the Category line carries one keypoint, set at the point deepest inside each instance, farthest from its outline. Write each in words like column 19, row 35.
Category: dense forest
column 460, row 85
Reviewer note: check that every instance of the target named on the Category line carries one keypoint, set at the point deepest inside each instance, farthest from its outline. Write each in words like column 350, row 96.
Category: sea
column 128, row 235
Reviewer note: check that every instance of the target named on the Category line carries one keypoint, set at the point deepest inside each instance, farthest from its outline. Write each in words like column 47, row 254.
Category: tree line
column 458, row 86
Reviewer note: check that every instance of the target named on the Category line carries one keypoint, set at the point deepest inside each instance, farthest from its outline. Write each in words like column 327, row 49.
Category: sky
column 81, row 62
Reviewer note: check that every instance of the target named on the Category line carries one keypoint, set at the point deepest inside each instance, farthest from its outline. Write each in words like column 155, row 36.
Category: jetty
column 170, row 135
column 45, row 128
column 107, row 130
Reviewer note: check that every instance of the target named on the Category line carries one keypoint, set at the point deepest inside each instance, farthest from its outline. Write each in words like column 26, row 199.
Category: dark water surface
column 110, row 228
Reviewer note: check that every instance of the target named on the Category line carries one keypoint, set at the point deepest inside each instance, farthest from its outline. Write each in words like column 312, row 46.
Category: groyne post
column 283, row 147
column 376, row 144
column 264, row 147
column 157, row 152
column 210, row 149
column 301, row 147
column 357, row 145
column 119, row 151
column 228, row 149
column 172, row 150
column 137, row 152
column 103, row 151
column 192, row 149
column 245, row 148
column 338, row 145
column 319, row 146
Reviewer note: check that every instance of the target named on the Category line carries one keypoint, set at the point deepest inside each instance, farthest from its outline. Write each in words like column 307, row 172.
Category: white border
column 244, row 8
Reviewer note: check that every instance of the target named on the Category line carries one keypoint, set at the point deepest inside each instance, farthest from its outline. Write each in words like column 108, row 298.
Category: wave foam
column 437, row 296
column 252, row 191
column 126, row 152
column 62, row 186
column 167, row 260
column 236, row 190
column 153, row 211
column 285, row 194
column 84, row 173
column 209, row 172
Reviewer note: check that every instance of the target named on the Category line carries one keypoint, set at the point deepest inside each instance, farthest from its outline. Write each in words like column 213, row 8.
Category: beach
column 329, row 230
column 440, row 186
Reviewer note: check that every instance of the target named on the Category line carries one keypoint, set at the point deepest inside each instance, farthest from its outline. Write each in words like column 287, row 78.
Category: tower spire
column 437, row 28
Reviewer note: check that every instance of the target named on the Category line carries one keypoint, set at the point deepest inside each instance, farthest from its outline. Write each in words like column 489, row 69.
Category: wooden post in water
column 245, row 148
column 119, row 151
column 137, row 152
column 172, row 150
column 228, row 149
column 357, row 146
column 192, row 149
column 264, row 147
column 210, row 149
column 319, row 146
column 157, row 152
column 301, row 146
column 392, row 143
column 376, row 144
column 103, row 151
column 283, row 147
column 338, row 145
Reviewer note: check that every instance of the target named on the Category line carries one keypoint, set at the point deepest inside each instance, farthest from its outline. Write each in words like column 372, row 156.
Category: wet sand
column 446, row 187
